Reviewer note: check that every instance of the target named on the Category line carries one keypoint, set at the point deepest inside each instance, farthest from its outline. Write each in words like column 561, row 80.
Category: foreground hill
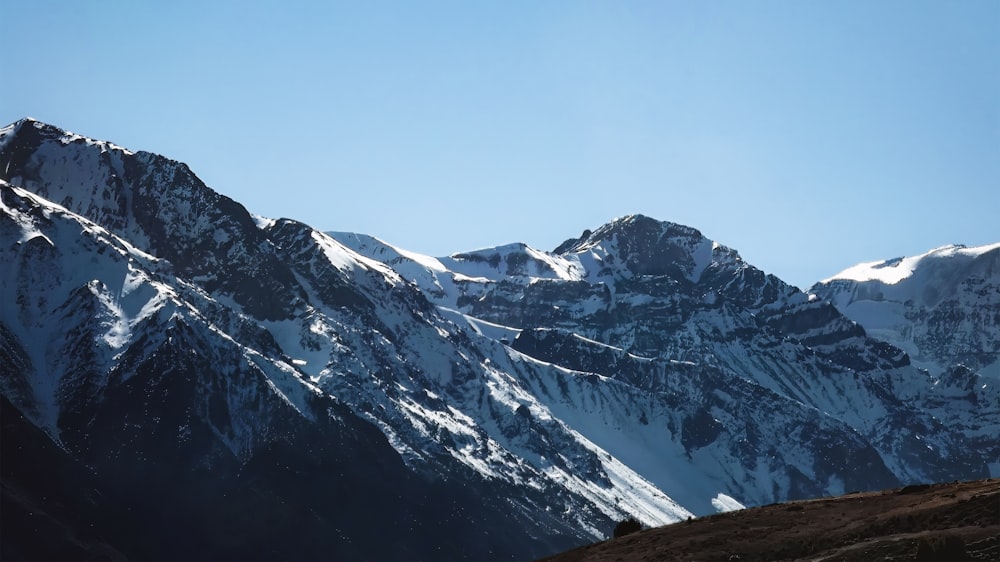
column 958, row 521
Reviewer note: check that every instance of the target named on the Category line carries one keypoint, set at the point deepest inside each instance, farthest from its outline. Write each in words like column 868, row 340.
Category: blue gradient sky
column 807, row 135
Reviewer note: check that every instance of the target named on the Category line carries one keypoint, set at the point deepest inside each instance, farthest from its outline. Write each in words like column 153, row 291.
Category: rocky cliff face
column 160, row 373
column 187, row 417
column 943, row 309
column 505, row 402
column 662, row 294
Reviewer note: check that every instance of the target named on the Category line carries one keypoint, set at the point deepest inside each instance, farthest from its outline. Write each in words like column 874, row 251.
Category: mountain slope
column 186, row 427
column 943, row 308
column 657, row 293
column 506, row 402
column 167, row 383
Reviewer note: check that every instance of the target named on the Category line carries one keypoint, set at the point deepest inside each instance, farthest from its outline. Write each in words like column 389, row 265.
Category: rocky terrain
column 957, row 521
column 250, row 387
column 941, row 307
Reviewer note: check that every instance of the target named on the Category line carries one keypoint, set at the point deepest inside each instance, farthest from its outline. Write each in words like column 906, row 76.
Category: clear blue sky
column 807, row 135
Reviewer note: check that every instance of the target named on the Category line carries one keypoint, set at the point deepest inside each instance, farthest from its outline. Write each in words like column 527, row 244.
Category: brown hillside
column 958, row 521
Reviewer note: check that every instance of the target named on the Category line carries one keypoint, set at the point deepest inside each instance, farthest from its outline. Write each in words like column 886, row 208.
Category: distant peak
column 31, row 131
column 640, row 223
column 26, row 121
column 647, row 246
column 635, row 229
column 22, row 126
column 15, row 126
column 963, row 250
column 632, row 221
column 20, row 122
column 632, row 218
column 894, row 270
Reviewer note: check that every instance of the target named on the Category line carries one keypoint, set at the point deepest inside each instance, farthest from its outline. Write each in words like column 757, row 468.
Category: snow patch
column 895, row 270
column 724, row 503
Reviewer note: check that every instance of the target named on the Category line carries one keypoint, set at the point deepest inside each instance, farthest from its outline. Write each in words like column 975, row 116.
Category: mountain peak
column 20, row 123
column 22, row 137
column 895, row 270
column 638, row 222
column 633, row 230
column 647, row 246
column 501, row 392
column 939, row 306
column 28, row 122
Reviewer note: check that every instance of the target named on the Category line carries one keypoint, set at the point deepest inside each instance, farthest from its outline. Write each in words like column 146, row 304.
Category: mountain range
column 181, row 378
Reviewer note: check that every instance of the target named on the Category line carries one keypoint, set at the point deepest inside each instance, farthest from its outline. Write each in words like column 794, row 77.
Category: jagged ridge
column 538, row 395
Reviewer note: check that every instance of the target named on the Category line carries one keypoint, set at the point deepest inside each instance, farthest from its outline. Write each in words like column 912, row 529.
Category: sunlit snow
column 724, row 503
column 893, row 271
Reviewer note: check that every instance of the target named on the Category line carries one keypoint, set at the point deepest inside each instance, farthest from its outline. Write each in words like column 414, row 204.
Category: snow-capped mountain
column 639, row 299
column 943, row 308
column 495, row 403
column 151, row 351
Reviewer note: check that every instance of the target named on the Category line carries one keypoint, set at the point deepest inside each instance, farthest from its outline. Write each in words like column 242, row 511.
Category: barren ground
column 958, row 521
